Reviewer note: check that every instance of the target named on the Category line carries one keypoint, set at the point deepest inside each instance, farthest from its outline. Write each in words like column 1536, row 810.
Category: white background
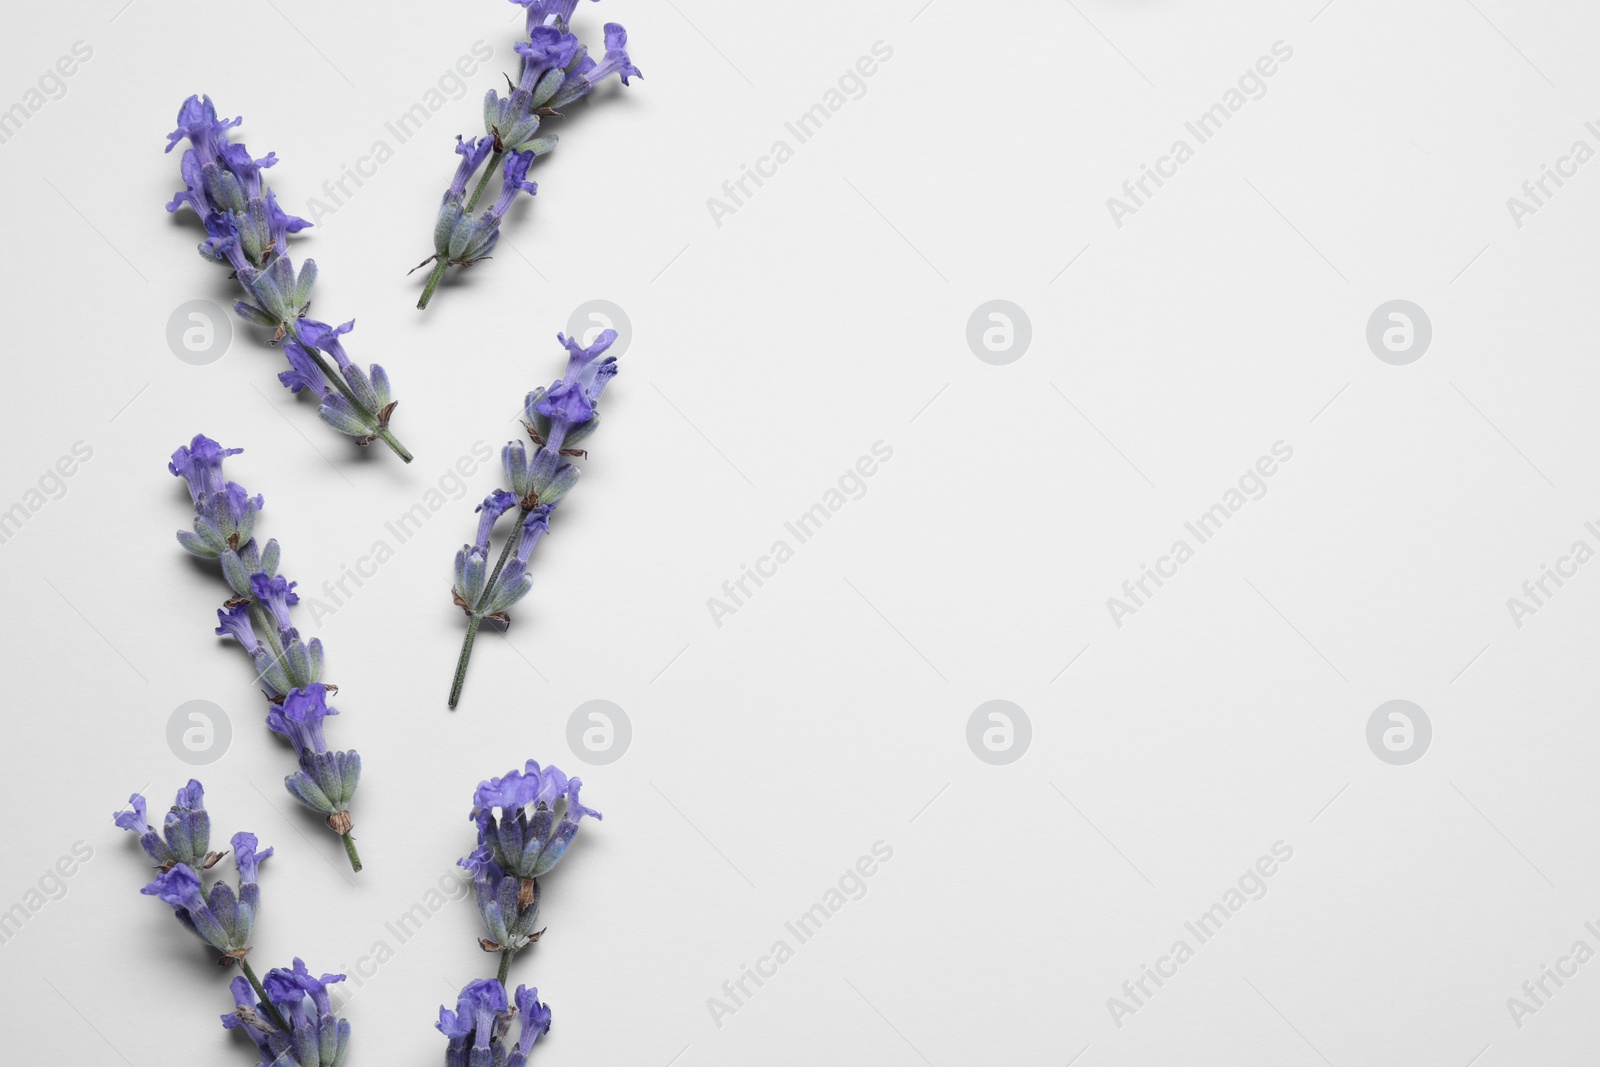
column 830, row 712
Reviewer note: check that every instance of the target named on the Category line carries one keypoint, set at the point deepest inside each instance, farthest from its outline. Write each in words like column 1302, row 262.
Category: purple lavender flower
column 508, row 907
column 258, row 617
column 526, row 820
column 558, row 419
column 199, row 463
column 247, row 229
column 290, row 1017
column 311, row 1035
column 185, row 835
column 221, row 918
column 477, row 1029
column 277, row 595
column 326, row 781
column 556, row 70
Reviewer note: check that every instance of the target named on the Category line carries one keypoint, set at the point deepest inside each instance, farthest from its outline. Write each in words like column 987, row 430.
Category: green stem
column 393, row 442
column 261, row 994
column 488, row 172
column 475, row 620
column 505, row 963
column 350, row 850
column 433, row 282
column 439, row 266
column 500, row 564
column 338, row 381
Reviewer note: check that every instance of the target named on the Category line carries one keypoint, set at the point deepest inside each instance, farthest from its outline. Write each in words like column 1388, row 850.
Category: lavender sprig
column 257, row 617
column 558, row 418
column 525, row 822
column 556, row 70
column 247, row 229
column 290, row 1015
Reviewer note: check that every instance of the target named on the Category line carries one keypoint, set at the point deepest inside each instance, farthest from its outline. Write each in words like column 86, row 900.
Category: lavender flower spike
column 556, row 70
column 313, row 1036
column 185, row 835
column 525, row 821
column 558, row 418
column 478, row 1028
column 258, row 617
column 248, row 230
column 290, row 1015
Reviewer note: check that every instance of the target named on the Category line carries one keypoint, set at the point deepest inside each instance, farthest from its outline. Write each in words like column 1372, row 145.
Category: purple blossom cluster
column 525, row 821
column 556, row 70
column 221, row 917
column 291, row 1020
column 558, row 419
column 289, row 1016
column 257, row 617
column 247, row 229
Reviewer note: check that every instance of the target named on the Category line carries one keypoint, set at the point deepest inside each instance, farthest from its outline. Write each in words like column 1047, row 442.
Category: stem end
column 434, row 278
column 350, row 851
